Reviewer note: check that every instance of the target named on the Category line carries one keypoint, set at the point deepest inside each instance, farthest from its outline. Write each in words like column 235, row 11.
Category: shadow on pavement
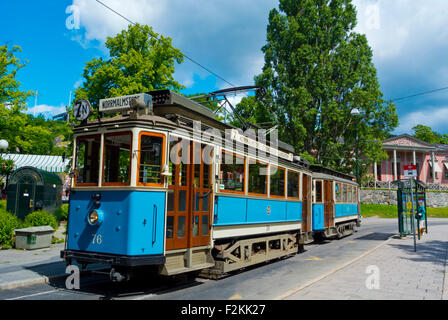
column 376, row 236
column 434, row 251
column 99, row 286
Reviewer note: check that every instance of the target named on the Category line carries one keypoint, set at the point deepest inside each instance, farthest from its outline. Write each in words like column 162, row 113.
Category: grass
column 379, row 210
column 389, row 211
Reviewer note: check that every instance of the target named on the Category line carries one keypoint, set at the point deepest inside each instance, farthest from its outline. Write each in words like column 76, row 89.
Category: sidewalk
column 393, row 271
column 19, row 268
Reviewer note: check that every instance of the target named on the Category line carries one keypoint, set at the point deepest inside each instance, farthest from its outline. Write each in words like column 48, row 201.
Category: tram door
column 189, row 204
column 201, row 187
column 306, row 203
column 328, row 204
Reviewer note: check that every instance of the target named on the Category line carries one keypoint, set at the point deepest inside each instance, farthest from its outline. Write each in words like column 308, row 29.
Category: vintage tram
column 165, row 185
column 336, row 209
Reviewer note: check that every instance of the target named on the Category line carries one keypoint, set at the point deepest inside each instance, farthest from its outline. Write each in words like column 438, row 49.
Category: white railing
column 391, row 186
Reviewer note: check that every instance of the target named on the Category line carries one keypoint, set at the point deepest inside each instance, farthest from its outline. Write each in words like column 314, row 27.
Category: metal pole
column 35, row 103
column 413, row 216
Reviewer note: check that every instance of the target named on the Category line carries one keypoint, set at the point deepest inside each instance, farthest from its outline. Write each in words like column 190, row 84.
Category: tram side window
column 88, row 159
column 151, row 159
column 349, row 194
column 355, row 200
column 117, row 158
column 293, row 184
column 258, row 177
column 344, row 193
column 231, row 173
column 337, row 187
column 318, row 192
column 277, row 184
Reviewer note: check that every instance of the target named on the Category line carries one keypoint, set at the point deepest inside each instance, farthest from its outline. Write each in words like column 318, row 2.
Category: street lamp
column 355, row 113
column 4, row 146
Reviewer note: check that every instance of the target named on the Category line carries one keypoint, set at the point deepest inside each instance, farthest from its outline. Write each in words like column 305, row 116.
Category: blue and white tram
column 150, row 188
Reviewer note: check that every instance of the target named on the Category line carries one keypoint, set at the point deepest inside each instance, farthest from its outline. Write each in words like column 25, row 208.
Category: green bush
column 8, row 222
column 41, row 218
column 62, row 213
column 3, row 205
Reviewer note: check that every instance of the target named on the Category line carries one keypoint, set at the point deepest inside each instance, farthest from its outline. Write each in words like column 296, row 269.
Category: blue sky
column 409, row 39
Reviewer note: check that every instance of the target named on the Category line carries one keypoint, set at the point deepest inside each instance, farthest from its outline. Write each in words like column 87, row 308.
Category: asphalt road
column 263, row 282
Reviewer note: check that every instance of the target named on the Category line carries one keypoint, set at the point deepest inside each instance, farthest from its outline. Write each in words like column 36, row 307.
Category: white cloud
column 399, row 27
column 46, row 110
column 225, row 36
column 434, row 117
column 78, row 83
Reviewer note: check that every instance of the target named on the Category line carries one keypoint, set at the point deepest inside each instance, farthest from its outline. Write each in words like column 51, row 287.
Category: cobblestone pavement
column 392, row 271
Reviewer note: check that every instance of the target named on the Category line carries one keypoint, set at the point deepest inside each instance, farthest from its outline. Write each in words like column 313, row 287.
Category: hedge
column 8, row 222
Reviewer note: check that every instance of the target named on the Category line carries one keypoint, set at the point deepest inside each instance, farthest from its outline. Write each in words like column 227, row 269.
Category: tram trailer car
column 136, row 201
column 336, row 209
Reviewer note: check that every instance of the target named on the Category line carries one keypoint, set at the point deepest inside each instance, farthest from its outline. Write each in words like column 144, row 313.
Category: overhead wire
column 420, row 94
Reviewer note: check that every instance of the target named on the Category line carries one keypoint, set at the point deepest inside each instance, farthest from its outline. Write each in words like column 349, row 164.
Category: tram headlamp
column 95, row 217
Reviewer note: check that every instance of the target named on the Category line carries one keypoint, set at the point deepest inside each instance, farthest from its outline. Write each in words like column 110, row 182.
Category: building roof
column 441, row 147
column 406, row 140
column 42, row 162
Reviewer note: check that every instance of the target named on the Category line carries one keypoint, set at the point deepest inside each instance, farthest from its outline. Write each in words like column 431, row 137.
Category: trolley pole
column 413, row 215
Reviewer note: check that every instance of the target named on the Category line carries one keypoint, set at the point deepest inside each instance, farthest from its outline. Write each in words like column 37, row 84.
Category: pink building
column 431, row 160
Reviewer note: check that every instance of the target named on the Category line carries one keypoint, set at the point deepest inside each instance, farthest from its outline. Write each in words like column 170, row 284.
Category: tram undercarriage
column 234, row 254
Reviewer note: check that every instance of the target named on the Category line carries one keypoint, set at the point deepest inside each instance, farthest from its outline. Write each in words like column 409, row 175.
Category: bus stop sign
column 410, row 171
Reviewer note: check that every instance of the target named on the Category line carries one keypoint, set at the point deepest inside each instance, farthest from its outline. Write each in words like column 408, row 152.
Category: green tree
column 426, row 134
column 140, row 61
column 12, row 99
column 10, row 65
column 316, row 72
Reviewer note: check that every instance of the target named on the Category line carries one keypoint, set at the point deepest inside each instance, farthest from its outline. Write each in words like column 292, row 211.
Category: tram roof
column 167, row 102
column 320, row 172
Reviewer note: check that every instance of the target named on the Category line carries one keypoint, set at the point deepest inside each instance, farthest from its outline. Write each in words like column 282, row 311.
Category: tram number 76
column 97, row 239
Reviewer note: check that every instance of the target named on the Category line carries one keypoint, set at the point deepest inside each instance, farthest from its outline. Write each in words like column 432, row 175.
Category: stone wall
column 433, row 199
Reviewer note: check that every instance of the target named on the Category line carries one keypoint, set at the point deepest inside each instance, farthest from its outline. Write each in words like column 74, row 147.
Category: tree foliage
column 9, row 85
column 316, row 72
column 140, row 61
column 426, row 134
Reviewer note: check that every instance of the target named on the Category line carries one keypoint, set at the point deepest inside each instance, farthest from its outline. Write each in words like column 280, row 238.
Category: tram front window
column 151, row 159
column 117, row 158
column 87, row 160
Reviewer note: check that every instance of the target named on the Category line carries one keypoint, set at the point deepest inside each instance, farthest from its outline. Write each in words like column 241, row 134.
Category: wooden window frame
column 315, row 192
column 299, row 184
column 117, row 184
column 264, row 195
column 90, row 184
column 285, row 190
column 244, row 179
column 163, row 162
column 345, row 192
column 335, row 193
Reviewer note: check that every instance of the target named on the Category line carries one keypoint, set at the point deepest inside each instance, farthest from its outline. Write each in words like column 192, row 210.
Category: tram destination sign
column 119, row 104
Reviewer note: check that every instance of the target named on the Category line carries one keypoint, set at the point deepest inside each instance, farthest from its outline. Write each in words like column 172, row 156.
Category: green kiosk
column 31, row 189
column 411, row 203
